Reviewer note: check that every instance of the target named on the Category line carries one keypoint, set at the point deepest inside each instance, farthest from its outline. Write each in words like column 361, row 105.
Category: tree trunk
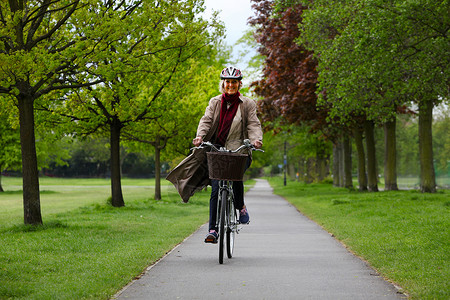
column 390, row 156
column 321, row 165
column 427, row 175
column 362, row 177
column 31, row 198
column 310, row 170
column 291, row 171
column 157, row 169
column 116, row 185
column 301, row 169
column 336, row 167
column 348, row 182
column 341, row 163
column 372, row 174
column 1, row 188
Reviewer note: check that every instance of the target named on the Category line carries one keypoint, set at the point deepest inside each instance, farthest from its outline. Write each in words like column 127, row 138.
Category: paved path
column 280, row 255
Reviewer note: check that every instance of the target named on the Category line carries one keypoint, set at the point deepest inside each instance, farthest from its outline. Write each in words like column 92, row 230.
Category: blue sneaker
column 244, row 217
column 211, row 237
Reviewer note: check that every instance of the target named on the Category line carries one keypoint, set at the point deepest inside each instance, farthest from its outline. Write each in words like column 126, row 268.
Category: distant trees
column 50, row 147
column 9, row 146
column 89, row 157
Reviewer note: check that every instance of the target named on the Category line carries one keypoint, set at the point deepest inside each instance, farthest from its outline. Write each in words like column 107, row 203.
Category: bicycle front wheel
column 222, row 207
column 231, row 227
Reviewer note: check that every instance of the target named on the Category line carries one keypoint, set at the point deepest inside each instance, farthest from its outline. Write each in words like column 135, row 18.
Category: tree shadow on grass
column 18, row 192
column 11, row 192
column 34, row 228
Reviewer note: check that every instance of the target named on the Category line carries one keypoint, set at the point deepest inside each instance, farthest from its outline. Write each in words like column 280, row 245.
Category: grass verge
column 404, row 235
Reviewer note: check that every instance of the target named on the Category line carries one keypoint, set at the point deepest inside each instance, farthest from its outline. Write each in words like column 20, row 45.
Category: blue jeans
column 238, row 191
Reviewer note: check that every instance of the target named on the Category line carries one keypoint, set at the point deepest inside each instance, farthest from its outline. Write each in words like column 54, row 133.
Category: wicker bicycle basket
column 226, row 165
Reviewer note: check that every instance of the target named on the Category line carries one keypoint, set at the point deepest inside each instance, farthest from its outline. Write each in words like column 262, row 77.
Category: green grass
column 404, row 235
column 86, row 248
column 58, row 195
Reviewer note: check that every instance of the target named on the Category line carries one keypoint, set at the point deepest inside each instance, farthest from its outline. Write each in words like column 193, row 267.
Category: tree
column 87, row 157
column 183, row 104
column 382, row 55
column 150, row 49
column 390, row 156
column 41, row 52
column 289, row 77
column 288, row 87
column 362, row 177
column 372, row 172
column 336, row 165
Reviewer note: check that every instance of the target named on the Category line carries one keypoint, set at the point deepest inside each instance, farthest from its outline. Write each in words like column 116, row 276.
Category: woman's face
column 231, row 86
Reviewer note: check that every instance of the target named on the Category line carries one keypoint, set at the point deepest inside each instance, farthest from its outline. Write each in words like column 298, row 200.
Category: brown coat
column 191, row 174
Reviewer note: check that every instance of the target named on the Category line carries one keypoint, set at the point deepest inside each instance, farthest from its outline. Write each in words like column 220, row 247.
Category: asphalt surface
column 281, row 254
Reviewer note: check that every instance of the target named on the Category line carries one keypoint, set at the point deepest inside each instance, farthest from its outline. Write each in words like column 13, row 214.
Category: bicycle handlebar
column 247, row 145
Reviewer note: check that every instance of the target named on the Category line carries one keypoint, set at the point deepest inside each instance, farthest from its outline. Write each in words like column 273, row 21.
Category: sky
column 234, row 14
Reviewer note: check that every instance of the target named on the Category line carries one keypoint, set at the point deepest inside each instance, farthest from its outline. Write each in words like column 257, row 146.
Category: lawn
column 404, row 235
column 58, row 195
column 86, row 248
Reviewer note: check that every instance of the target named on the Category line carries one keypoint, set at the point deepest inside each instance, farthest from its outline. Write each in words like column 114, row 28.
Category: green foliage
column 87, row 157
column 301, row 144
column 254, row 63
column 9, row 146
column 407, row 146
column 148, row 48
column 179, row 108
column 374, row 55
column 441, row 141
column 403, row 235
column 50, row 144
column 51, row 149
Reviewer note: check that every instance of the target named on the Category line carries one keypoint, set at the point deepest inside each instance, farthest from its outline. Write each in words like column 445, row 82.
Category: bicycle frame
column 226, row 219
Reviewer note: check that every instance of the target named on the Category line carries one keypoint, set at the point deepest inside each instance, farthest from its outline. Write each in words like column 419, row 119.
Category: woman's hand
column 197, row 141
column 258, row 144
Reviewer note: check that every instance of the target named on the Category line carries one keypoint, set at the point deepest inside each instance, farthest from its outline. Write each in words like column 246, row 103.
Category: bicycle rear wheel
column 231, row 227
column 222, row 206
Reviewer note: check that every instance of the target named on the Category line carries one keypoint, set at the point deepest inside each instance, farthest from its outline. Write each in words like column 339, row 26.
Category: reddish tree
column 289, row 83
column 288, row 87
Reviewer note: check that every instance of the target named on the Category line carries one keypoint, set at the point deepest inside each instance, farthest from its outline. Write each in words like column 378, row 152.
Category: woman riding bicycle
column 228, row 120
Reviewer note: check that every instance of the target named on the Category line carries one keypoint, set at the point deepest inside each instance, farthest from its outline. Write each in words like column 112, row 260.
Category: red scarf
column 227, row 116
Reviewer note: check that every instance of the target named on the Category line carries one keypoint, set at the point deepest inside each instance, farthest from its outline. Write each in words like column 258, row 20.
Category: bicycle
column 227, row 166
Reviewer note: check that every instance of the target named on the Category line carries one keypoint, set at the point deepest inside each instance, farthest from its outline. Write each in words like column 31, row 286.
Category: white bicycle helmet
column 231, row 73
